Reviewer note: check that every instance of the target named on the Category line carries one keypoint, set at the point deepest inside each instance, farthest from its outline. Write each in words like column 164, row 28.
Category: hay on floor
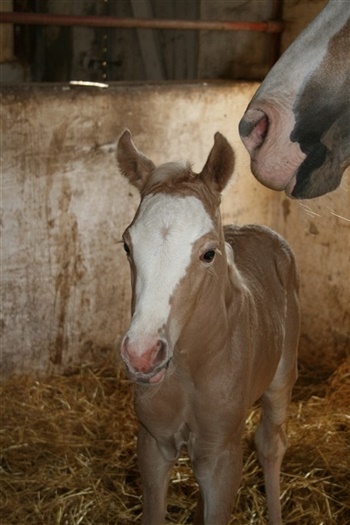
column 68, row 455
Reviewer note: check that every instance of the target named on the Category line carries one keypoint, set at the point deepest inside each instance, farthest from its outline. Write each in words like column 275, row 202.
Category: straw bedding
column 68, row 454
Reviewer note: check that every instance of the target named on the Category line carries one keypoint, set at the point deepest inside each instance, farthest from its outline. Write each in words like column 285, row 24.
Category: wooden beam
column 149, row 45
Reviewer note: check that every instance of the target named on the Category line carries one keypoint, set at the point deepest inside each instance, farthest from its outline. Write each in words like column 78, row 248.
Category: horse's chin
column 158, row 377
column 290, row 187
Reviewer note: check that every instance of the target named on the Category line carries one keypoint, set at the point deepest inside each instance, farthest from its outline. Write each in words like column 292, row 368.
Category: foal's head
column 175, row 246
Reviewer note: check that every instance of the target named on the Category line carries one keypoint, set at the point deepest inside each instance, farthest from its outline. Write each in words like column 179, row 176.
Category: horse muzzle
column 146, row 363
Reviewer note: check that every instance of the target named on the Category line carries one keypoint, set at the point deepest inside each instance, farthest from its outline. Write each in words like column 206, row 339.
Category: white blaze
column 162, row 238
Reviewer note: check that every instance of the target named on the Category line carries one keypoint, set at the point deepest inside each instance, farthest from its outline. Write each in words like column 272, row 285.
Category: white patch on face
column 162, row 239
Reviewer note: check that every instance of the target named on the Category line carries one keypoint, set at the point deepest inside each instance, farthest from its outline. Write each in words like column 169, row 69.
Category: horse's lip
column 154, row 377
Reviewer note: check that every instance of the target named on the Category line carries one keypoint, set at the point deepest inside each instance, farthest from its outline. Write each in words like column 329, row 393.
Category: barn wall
column 65, row 279
column 297, row 15
column 60, row 54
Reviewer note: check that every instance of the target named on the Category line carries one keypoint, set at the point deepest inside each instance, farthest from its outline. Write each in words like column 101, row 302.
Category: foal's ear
column 220, row 163
column 132, row 163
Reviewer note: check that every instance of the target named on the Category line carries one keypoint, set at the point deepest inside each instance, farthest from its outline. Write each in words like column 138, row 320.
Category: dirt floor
column 68, row 454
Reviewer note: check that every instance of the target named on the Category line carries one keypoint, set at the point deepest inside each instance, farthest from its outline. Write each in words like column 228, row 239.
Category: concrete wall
column 65, row 280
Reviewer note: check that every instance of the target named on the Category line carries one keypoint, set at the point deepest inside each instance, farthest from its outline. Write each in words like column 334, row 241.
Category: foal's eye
column 208, row 256
column 126, row 248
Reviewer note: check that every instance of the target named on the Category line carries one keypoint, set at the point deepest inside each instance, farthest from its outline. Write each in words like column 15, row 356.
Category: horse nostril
column 124, row 349
column 161, row 352
column 253, row 128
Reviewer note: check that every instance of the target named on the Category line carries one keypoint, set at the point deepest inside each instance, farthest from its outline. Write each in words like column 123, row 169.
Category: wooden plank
column 149, row 45
column 6, row 34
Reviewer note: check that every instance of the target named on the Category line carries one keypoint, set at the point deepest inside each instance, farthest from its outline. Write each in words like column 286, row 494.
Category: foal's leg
column 154, row 467
column 270, row 437
column 218, row 474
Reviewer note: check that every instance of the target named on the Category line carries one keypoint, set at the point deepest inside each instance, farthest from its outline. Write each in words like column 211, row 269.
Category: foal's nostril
column 161, row 352
column 124, row 348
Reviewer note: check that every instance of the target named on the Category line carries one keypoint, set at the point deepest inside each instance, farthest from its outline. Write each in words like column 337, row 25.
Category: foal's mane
column 170, row 174
column 178, row 178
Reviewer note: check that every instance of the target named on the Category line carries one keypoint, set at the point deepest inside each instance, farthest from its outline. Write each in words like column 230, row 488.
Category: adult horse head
column 297, row 126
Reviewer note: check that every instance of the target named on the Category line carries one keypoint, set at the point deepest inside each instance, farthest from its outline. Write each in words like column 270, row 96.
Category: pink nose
column 253, row 129
column 147, row 360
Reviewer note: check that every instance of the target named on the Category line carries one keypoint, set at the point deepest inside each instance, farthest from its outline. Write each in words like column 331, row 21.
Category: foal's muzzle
column 145, row 364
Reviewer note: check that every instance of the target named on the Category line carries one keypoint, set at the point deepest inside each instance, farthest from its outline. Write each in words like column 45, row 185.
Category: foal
column 215, row 326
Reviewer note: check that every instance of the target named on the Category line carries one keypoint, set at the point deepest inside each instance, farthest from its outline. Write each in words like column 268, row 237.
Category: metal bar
column 269, row 26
